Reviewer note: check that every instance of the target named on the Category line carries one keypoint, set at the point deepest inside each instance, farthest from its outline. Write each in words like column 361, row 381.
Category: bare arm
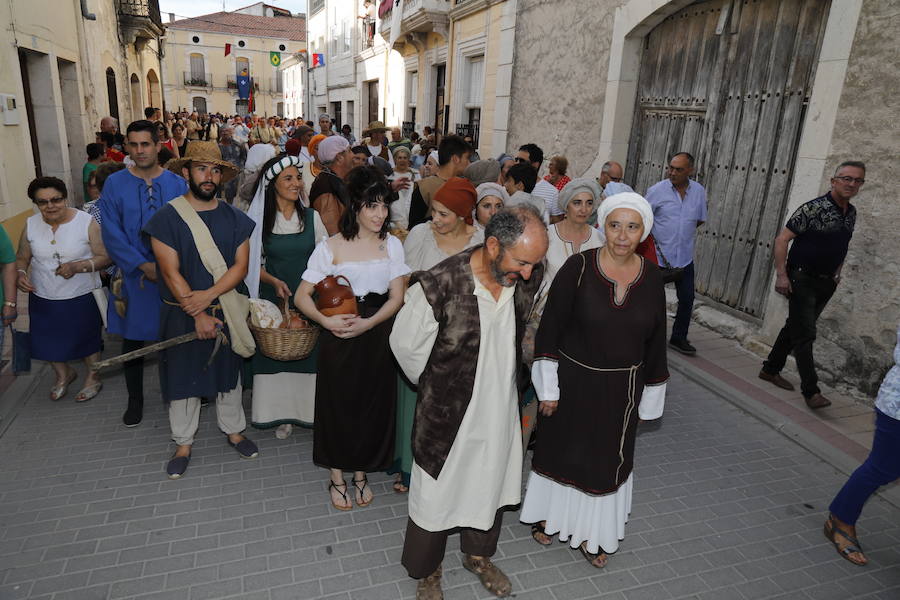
column 779, row 256
column 9, row 292
column 329, row 208
column 281, row 288
column 23, row 260
column 395, row 300
column 169, row 263
column 196, row 301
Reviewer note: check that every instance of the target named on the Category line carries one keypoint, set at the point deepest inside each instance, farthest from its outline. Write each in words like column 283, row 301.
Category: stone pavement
column 725, row 507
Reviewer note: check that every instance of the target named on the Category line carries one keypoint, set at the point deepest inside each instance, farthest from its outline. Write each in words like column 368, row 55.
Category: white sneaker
column 284, row 431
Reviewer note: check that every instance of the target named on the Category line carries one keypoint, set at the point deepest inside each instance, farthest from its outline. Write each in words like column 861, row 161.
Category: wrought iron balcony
column 198, row 79
column 420, row 15
column 407, row 128
column 468, row 130
column 139, row 19
column 231, row 83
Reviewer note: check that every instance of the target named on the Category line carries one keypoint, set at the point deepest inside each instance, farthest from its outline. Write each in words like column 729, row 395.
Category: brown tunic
column 607, row 353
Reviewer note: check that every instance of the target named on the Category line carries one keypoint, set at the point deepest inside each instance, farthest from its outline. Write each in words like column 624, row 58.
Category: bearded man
column 459, row 338
column 202, row 247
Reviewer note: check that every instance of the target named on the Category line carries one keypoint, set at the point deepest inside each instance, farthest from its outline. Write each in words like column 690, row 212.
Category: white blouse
column 51, row 249
column 422, row 251
column 400, row 208
column 366, row 276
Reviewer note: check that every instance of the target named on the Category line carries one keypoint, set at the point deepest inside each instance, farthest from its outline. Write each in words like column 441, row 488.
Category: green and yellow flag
column 275, row 58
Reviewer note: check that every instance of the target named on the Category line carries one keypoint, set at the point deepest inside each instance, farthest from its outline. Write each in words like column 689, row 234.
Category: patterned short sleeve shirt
column 823, row 233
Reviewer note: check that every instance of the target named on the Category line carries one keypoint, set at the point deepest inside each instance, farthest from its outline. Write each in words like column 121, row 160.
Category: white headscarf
column 256, row 212
column 631, row 200
column 258, row 155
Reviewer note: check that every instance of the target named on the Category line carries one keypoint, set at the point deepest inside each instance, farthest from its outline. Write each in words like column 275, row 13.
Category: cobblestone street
column 725, row 508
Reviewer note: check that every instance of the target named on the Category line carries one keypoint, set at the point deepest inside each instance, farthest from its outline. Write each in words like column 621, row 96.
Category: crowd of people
column 491, row 302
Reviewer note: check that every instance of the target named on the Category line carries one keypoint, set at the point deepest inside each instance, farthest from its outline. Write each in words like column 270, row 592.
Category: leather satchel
column 670, row 274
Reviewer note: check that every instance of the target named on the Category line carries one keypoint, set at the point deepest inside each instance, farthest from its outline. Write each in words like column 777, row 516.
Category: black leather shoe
column 134, row 414
column 683, row 346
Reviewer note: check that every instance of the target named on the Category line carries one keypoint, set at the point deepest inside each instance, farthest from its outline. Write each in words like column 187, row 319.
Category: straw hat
column 374, row 127
column 203, row 152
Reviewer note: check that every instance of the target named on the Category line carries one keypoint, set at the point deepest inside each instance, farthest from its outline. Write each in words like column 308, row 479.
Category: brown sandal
column 538, row 529
column 598, row 561
column 492, row 578
column 854, row 547
column 429, row 588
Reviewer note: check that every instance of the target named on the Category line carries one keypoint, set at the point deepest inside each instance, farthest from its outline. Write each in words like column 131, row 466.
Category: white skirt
column 282, row 398
column 576, row 516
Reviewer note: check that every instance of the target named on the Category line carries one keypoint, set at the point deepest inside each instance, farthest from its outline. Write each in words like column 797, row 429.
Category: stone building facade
column 848, row 112
column 64, row 66
column 200, row 77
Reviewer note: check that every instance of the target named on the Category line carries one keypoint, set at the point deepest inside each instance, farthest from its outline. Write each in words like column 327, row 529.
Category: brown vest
column 446, row 383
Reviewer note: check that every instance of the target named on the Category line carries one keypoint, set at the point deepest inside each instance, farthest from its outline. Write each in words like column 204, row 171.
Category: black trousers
column 809, row 295
column 134, row 371
column 423, row 551
column 684, row 289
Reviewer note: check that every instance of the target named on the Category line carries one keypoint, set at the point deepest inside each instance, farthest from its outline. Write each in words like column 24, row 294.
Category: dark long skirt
column 356, row 399
column 64, row 330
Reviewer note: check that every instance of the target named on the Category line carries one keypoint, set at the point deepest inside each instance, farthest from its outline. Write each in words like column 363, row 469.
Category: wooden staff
column 221, row 339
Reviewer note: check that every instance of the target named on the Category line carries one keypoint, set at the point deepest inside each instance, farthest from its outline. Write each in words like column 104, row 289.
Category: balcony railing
column 420, row 15
column 139, row 19
column 198, row 79
column 408, row 127
column 468, row 129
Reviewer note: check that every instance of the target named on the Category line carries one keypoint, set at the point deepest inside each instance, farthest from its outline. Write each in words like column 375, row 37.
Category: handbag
column 102, row 303
column 21, row 350
column 670, row 274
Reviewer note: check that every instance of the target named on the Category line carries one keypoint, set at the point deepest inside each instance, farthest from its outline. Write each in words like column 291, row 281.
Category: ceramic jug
column 335, row 298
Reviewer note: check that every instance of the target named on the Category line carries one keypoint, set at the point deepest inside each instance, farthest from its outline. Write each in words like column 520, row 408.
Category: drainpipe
column 84, row 12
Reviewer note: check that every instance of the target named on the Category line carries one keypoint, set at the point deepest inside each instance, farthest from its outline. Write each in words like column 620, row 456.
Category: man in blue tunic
column 205, row 295
column 130, row 198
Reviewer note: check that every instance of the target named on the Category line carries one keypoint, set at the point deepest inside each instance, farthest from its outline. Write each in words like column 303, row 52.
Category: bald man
column 610, row 171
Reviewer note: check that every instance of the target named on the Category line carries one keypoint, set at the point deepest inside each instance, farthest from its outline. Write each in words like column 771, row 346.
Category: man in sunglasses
column 819, row 234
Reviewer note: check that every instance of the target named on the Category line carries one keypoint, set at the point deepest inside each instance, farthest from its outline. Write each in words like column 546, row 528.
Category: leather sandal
column 598, row 560
column 538, row 528
column 832, row 531
column 429, row 588
column 360, row 489
column 491, row 577
column 59, row 390
column 343, row 494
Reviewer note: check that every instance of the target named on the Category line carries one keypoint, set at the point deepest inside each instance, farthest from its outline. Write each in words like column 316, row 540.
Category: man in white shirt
column 459, row 338
column 532, row 154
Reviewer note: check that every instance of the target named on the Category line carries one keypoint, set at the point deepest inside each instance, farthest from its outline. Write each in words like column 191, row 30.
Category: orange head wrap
column 314, row 143
column 458, row 195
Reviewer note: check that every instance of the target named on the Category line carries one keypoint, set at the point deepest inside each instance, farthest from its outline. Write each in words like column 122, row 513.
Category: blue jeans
column 684, row 289
column 881, row 468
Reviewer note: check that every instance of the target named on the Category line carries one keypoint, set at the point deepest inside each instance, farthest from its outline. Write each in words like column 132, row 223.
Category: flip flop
column 89, row 392
column 846, row 551
column 361, row 489
column 58, row 391
column 343, row 494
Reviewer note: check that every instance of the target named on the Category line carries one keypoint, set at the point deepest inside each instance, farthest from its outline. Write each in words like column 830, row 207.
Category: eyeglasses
column 57, row 200
column 848, row 179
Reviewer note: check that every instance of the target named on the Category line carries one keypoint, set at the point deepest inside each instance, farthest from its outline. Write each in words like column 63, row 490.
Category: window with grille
column 198, row 67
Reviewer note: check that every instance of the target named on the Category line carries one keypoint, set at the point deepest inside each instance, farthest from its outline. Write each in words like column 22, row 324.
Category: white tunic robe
column 483, row 471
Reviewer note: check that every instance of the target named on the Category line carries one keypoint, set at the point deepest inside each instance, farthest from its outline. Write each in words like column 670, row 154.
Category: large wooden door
column 729, row 82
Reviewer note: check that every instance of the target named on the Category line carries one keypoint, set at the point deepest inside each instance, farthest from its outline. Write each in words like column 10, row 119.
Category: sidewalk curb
column 828, row 453
column 16, row 395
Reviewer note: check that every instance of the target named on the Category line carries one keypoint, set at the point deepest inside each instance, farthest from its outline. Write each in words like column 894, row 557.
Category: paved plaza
column 725, row 508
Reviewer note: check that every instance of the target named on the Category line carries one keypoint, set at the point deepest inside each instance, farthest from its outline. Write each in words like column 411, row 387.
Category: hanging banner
column 396, row 20
column 275, row 58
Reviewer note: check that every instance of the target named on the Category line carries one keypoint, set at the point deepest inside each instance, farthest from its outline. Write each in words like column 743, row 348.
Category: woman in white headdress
column 599, row 368
column 257, row 156
column 285, row 236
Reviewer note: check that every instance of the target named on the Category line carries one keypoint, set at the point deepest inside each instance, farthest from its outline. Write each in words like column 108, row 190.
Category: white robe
column 483, row 471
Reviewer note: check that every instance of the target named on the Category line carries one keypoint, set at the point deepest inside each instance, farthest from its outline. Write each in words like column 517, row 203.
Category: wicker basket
column 285, row 344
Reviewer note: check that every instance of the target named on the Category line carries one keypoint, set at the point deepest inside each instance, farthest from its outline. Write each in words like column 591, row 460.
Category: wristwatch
column 9, row 304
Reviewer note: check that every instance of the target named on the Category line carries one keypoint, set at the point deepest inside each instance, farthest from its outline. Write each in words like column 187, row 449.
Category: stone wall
column 559, row 77
column 858, row 329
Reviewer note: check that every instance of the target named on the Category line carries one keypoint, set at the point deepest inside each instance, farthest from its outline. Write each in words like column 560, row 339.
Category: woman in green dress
column 286, row 234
